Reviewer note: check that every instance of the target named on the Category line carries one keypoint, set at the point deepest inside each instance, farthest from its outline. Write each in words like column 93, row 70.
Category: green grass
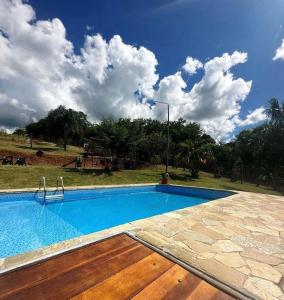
column 21, row 177
column 20, row 144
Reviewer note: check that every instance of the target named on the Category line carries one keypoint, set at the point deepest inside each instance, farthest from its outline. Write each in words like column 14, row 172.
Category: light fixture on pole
column 168, row 133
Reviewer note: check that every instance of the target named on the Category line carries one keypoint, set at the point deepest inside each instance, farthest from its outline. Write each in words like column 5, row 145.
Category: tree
column 20, row 132
column 275, row 112
column 196, row 150
column 61, row 124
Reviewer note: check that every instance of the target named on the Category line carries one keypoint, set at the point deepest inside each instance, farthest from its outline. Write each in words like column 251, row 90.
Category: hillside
column 15, row 146
column 28, row 177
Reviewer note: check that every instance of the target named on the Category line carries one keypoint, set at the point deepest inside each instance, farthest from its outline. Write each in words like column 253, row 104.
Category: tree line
column 255, row 154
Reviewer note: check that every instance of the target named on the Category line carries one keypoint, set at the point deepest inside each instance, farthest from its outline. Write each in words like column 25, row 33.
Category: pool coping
column 73, row 188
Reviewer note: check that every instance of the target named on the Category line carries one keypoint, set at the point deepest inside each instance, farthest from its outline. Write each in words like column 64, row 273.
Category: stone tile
column 262, row 230
column 206, row 255
column 222, row 230
column 280, row 255
column 207, row 231
column 261, row 257
column 188, row 222
column 214, row 216
column 245, row 270
column 2, row 264
column 237, row 229
column 199, row 247
column 280, row 268
column 210, row 222
column 143, row 223
column 275, row 227
column 264, row 271
column 153, row 238
column 192, row 235
column 281, row 284
column 267, row 239
column 165, row 231
column 262, row 288
column 232, row 259
column 226, row 246
column 222, row 272
column 22, row 258
column 182, row 252
column 160, row 219
column 174, row 215
column 248, row 242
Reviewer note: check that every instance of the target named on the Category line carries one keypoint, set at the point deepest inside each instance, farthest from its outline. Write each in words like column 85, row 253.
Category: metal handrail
column 60, row 179
column 42, row 185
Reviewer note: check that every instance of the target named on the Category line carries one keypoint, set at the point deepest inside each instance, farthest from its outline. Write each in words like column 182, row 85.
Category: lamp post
column 168, row 133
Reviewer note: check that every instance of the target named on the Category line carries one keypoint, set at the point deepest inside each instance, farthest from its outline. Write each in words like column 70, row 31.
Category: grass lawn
column 21, row 177
column 20, row 144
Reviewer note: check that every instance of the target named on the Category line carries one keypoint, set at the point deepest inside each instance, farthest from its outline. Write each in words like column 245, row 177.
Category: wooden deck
column 116, row 268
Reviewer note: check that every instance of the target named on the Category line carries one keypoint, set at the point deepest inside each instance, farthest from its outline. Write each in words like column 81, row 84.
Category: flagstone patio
column 238, row 240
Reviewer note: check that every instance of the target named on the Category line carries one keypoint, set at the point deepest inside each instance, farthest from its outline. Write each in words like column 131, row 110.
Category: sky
column 216, row 62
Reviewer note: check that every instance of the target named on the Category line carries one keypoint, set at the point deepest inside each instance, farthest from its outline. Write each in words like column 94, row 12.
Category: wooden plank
column 206, row 291
column 116, row 268
column 77, row 280
column 63, row 263
column 160, row 288
column 126, row 283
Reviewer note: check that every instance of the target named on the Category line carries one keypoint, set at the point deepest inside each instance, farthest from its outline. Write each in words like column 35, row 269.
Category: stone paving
column 238, row 240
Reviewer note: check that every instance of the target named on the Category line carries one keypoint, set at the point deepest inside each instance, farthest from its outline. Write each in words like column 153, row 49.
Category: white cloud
column 39, row 71
column 279, row 54
column 89, row 27
column 253, row 117
column 214, row 100
column 111, row 74
column 192, row 65
column 36, row 67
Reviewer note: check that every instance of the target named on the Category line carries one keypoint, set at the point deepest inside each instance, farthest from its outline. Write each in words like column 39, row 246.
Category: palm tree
column 275, row 112
column 195, row 153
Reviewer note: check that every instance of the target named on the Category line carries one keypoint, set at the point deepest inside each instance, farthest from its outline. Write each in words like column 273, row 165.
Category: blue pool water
column 26, row 225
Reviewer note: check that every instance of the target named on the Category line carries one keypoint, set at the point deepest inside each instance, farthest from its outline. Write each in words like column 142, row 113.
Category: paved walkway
column 239, row 240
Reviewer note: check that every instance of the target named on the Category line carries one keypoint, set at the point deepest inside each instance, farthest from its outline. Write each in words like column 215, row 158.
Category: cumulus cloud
column 256, row 116
column 215, row 100
column 36, row 68
column 279, row 54
column 39, row 71
column 192, row 65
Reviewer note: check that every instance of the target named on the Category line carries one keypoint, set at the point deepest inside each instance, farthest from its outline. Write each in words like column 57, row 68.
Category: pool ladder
column 44, row 194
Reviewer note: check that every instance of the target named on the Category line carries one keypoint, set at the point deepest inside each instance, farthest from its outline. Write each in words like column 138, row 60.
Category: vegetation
column 61, row 124
column 255, row 155
column 28, row 177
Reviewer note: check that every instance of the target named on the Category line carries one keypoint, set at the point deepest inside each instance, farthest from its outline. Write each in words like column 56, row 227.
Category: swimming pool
column 26, row 225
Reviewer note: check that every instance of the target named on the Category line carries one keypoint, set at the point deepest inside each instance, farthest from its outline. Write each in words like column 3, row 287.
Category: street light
column 168, row 133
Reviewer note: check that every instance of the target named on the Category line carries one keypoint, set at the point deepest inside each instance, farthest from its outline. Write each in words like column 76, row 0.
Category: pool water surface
column 26, row 225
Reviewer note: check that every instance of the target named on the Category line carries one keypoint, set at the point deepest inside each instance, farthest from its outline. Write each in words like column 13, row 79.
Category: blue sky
column 175, row 29
column 59, row 52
